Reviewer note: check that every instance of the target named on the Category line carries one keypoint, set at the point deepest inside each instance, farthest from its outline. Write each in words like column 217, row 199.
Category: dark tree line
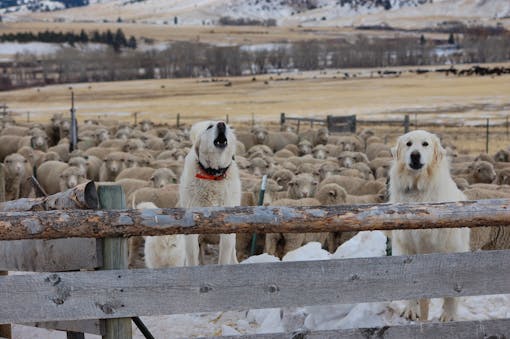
column 192, row 59
column 116, row 40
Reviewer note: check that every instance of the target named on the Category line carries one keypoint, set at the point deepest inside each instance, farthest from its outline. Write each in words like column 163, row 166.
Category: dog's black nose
column 415, row 160
column 221, row 127
column 415, row 156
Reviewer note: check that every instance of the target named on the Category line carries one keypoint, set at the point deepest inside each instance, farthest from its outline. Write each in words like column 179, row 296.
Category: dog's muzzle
column 221, row 139
column 416, row 161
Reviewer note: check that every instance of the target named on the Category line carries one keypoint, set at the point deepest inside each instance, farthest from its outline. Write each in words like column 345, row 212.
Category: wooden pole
column 406, row 123
column 115, row 256
column 249, row 219
column 178, row 120
column 507, row 128
column 487, row 137
column 5, row 329
column 74, row 126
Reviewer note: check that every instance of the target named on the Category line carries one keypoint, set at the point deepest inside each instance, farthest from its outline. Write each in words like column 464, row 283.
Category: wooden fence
column 120, row 293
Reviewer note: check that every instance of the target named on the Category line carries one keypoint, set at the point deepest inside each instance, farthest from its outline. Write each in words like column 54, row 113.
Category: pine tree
column 422, row 40
column 451, row 39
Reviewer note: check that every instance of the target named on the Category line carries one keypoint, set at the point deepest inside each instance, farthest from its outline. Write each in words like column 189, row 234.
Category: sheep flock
column 307, row 169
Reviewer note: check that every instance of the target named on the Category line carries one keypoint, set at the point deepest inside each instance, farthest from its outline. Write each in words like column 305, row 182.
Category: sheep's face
column 215, row 145
column 65, row 127
column 146, row 125
column 39, row 142
column 123, row 134
column 15, row 164
column 302, row 186
column 502, row 156
column 133, row 145
column 71, row 177
column 327, row 170
column 81, row 163
column 102, row 135
column 259, row 166
column 346, row 159
column 260, row 134
column 382, row 171
column 320, row 153
column 163, row 177
column 305, row 147
column 503, row 178
column 115, row 163
column 484, row 172
column 418, row 150
column 322, row 136
column 55, row 120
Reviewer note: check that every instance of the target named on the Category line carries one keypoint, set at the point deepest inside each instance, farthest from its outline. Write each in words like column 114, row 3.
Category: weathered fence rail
column 261, row 219
column 126, row 293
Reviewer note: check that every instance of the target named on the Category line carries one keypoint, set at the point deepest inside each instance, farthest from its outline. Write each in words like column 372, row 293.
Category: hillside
column 401, row 13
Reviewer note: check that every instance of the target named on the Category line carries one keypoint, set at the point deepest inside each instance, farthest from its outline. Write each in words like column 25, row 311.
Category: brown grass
column 450, row 99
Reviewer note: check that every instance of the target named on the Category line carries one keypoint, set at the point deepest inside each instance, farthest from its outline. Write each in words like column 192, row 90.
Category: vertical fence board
column 115, row 255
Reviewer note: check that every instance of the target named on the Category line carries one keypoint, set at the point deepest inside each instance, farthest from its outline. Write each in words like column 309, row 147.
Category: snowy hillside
column 285, row 12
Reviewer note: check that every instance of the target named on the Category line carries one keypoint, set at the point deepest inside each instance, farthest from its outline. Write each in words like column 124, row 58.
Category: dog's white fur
column 431, row 183
column 164, row 251
column 194, row 192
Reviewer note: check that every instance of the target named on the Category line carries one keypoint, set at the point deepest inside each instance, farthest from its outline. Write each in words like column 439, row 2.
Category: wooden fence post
column 507, row 131
column 115, row 256
column 487, row 137
column 5, row 330
column 406, row 123
column 298, row 123
column 178, row 120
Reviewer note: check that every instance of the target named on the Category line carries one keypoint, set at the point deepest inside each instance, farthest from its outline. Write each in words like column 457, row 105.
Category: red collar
column 211, row 174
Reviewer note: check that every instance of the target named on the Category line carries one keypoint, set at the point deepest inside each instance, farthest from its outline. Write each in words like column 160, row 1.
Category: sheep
column 262, row 149
column 166, row 197
column 33, row 156
column 488, row 238
column 93, row 167
column 282, row 177
column 117, row 144
column 293, row 148
column 100, row 152
column 154, row 143
column 320, row 152
column 145, row 125
column 113, row 164
column 291, row 241
column 278, row 140
column 316, row 137
column 56, row 176
column 334, row 194
column 351, row 172
column 503, row 177
column 354, row 186
column 15, row 130
column 502, row 156
column 485, row 157
column 49, row 156
column 133, row 145
column 364, row 169
column 284, row 153
column 162, row 177
column 9, row 144
column 327, row 169
column 461, row 183
column 130, row 185
column 380, row 167
column 141, row 173
column 305, row 147
column 374, row 150
column 347, row 158
column 480, row 172
column 79, row 162
column 259, row 166
column 16, row 174
column 301, row 186
column 62, row 149
column 351, row 143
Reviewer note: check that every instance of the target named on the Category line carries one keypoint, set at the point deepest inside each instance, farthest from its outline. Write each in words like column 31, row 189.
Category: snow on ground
column 37, row 48
column 364, row 244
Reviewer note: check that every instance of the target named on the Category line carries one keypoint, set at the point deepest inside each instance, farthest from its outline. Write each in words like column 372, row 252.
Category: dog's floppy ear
column 395, row 151
column 439, row 151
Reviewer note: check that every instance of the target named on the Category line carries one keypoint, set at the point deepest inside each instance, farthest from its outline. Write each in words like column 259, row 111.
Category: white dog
column 420, row 173
column 210, row 178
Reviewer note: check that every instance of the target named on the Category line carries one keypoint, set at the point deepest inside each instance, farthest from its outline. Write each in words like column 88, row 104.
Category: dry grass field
column 431, row 97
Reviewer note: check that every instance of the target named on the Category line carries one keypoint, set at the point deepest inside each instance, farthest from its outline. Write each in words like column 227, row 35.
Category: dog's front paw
column 446, row 317
column 411, row 311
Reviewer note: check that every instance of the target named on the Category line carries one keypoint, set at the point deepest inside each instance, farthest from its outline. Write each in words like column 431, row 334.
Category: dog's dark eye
column 210, row 126
column 425, row 144
column 409, row 143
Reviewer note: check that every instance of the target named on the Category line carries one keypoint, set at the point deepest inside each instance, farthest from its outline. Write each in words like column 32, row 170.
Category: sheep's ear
column 151, row 178
column 332, row 193
column 315, row 182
